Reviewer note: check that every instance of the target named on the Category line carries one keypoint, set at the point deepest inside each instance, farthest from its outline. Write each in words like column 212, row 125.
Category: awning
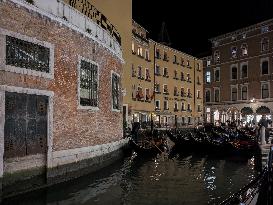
column 263, row 110
column 246, row 111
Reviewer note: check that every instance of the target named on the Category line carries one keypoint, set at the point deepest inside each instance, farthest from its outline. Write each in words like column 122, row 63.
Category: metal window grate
column 88, row 84
column 27, row 55
column 115, row 91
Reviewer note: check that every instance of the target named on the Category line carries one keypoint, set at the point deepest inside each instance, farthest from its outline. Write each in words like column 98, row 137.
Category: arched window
column 265, row 90
column 265, row 44
column 244, row 71
column 244, row 93
column 265, row 69
column 207, row 95
column 244, row 49
column 216, row 95
column 234, row 73
column 233, row 94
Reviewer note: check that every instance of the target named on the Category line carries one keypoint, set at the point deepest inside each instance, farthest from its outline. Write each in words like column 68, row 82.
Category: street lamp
column 253, row 100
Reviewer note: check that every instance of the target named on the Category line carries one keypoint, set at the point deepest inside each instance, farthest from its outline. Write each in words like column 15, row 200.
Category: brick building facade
column 238, row 76
column 60, row 98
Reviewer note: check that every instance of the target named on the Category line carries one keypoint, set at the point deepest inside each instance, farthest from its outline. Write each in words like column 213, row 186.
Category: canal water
column 184, row 178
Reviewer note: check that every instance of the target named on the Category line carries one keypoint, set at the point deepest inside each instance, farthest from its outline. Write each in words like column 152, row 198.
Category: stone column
column 263, row 142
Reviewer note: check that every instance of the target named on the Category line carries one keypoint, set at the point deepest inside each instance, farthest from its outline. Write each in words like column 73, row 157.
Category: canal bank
column 152, row 180
column 68, row 165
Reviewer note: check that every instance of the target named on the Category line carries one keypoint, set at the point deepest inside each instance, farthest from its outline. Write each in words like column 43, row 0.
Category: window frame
column 261, row 65
column 214, row 95
column 157, row 108
column 26, row 71
column 241, row 70
column 207, row 90
column 231, row 93
column 244, row 86
column 233, row 66
column 217, row 69
column 268, row 90
column 206, row 77
column 81, row 107
column 119, row 92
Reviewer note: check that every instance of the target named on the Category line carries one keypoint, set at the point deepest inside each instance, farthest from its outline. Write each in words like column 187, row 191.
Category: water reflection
column 182, row 178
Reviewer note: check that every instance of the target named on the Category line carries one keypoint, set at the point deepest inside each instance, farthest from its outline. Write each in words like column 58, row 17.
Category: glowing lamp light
column 252, row 100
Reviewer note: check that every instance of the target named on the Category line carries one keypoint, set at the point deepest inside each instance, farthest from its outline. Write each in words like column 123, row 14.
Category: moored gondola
column 215, row 139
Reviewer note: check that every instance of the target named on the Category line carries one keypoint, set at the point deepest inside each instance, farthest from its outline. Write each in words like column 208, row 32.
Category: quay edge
column 67, row 165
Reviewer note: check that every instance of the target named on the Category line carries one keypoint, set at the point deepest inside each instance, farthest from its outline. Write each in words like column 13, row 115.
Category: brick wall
column 72, row 128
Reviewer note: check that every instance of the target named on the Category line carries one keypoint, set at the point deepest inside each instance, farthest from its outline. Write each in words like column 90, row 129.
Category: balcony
column 175, row 78
column 166, row 75
column 189, row 110
column 189, row 95
column 175, row 110
column 166, row 108
column 166, row 93
column 157, row 92
column 183, row 94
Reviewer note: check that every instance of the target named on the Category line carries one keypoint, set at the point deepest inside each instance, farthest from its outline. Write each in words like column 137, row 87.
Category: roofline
column 133, row 21
column 175, row 50
column 244, row 29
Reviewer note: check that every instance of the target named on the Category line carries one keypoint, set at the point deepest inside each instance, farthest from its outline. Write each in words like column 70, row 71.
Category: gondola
column 146, row 149
column 215, row 139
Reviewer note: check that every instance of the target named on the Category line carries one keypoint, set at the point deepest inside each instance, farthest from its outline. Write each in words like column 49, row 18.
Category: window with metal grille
column 88, row 84
column 115, row 91
column 27, row 55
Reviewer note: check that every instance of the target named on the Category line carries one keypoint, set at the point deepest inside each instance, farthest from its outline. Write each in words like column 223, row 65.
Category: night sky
column 190, row 23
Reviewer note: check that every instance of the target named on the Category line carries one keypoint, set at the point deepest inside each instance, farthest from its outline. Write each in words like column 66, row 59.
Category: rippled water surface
column 186, row 178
